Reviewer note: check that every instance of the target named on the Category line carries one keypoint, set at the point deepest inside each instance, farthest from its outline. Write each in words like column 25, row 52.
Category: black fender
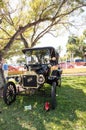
column 52, row 79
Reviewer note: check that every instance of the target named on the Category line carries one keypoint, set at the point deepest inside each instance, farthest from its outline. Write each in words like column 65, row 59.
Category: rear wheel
column 9, row 93
column 53, row 95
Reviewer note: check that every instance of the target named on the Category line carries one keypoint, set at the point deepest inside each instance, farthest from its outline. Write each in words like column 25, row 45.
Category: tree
column 30, row 20
column 76, row 45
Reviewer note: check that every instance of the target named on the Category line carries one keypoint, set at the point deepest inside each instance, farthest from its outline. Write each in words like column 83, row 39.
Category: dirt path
column 76, row 74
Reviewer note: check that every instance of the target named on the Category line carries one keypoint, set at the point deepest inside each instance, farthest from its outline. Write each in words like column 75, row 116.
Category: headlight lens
column 18, row 79
column 41, row 79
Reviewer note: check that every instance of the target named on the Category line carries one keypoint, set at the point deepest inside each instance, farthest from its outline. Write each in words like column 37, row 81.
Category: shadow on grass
column 70, row 99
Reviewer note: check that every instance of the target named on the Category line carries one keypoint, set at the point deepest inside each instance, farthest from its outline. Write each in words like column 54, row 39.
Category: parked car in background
column 65, row 65
column 12, row 68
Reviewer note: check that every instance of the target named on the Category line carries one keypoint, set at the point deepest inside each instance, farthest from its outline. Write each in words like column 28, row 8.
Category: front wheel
column 9, row 93
column 59, row 82
column 53, row 95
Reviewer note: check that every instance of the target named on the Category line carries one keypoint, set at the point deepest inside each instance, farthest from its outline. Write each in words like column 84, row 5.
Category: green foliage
column 76, row 45
column 36, row 17
column 84, row 33
column 38, row 8
column 15, row 50
column 1, row 4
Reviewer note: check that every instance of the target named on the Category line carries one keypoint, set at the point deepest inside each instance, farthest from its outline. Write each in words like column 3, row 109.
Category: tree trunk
column 2, row 80
column 24, row 41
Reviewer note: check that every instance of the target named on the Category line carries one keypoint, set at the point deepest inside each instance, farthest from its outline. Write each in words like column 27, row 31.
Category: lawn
column 70, row 113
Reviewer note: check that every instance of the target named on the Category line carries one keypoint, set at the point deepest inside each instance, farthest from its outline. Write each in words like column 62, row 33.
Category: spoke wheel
column 53, row 95
column 9, row 93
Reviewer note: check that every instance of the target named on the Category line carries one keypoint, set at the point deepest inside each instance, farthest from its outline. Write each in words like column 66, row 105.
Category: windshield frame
column 38, row 56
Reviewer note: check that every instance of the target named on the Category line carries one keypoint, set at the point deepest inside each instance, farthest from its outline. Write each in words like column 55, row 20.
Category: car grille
column 29, row 80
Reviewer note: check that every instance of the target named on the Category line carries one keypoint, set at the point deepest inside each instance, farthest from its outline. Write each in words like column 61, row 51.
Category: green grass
column 70, row 113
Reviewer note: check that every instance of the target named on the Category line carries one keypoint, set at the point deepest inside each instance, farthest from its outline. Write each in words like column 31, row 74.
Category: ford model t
column 41, row 67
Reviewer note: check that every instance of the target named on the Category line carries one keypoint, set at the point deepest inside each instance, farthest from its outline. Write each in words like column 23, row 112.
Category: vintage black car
column 41, row 67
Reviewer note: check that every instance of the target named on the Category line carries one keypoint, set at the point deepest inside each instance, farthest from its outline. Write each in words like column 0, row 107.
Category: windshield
column 41, row 56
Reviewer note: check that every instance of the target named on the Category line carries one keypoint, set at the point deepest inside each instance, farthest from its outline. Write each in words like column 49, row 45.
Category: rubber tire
column 11, row 97
column 59, row 82
column 53, row 95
